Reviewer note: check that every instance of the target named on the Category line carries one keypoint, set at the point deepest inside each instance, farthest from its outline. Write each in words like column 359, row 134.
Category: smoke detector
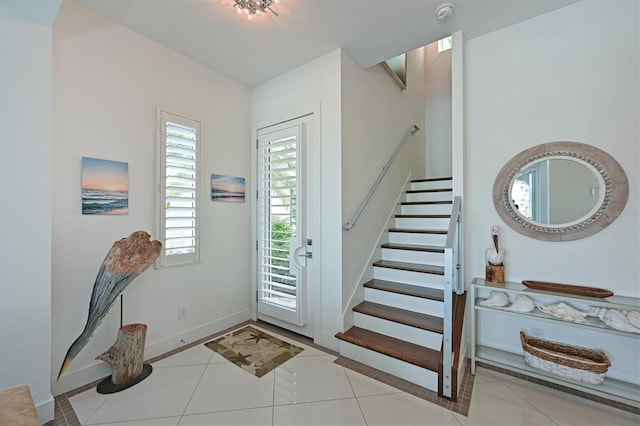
column 444, row 12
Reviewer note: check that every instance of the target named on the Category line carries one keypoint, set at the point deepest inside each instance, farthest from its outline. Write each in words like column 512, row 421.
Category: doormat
column 253, row 350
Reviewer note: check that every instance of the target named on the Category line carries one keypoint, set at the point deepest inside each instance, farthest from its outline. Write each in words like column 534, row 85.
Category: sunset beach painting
column 227, row 188
column 105, row 187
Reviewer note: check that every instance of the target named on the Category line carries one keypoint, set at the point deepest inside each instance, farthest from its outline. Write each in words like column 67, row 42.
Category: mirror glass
column 560, row 191
column 557, row 191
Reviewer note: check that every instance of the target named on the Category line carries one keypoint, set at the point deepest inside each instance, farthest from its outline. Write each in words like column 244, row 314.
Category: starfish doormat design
column 253, row 350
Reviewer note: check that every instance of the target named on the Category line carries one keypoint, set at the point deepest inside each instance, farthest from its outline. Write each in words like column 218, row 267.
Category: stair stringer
column 357, row 296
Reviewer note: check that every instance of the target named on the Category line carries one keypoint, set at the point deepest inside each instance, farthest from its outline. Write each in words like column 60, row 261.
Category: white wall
column 376, row 114
column 438, row 111
column 25, row 245
column 107, row 84
column 314, row 88
column 569, row 75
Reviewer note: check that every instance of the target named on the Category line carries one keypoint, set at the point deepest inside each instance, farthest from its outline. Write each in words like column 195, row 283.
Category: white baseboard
column 76, row 379
column 327, row 340
column 173, row 342
column 46, row 410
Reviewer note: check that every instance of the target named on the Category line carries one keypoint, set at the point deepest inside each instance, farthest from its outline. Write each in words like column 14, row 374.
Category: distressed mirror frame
column 616, row 191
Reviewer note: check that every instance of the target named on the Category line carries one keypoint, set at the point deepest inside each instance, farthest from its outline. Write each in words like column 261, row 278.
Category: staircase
column 399, row 326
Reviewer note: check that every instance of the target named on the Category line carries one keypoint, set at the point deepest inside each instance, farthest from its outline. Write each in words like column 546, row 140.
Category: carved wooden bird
column 126, row 259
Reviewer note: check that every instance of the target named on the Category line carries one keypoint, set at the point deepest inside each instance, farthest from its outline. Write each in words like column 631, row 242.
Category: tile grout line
column 195, row 388
column 273, row 397
column 608, row 402
column 531, row 404
column 355, row 395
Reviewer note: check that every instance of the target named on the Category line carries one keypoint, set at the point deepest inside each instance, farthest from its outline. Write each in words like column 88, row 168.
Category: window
column 178, row 173
column 444, row 44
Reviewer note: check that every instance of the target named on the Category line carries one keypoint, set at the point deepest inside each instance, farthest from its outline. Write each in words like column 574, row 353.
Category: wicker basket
column 573, row 362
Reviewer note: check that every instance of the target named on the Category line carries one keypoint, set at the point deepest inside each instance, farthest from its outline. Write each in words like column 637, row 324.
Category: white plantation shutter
column 178, row 185
column 280, row 228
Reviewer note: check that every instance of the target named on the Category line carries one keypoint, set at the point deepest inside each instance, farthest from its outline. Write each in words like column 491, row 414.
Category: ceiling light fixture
column 444, row 12
column 252, row 7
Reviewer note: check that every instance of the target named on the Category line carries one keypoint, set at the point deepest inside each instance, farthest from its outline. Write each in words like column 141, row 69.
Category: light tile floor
column 198, row 387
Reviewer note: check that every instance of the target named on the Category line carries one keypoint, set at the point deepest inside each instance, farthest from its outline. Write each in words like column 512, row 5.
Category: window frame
column 165, row 116
column 445, row 44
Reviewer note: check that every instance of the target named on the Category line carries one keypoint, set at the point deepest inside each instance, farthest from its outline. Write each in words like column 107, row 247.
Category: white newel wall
column 107, row 82
column 25, row 245
column 569, row 75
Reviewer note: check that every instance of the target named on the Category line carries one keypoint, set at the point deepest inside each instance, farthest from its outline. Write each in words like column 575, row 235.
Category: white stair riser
column 402, row 301
column 426, row 209
column 422, row 223
column 409, row 277
column 413, row 256
column 434, row 184
column 430, row 196
column 412, row 373
column 407, row 333
column 417, row 238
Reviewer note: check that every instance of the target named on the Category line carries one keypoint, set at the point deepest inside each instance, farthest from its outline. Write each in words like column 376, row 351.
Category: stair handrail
column 351, row 223
column 452, row 282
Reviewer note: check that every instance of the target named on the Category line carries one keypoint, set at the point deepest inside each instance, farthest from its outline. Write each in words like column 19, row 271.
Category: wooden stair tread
column 424, row 216
column 418, row 191
column 419, row 231
column 413, row 247
column 434, row 179
column 409, row 352
column 401, row 316
column 406, row 289
column 414, row 267
column 418, row 203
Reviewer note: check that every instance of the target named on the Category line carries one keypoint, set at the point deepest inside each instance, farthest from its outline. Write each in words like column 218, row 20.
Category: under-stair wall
column 357, row 295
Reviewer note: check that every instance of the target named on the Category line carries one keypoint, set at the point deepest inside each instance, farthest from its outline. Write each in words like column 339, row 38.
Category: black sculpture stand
column 106, row 386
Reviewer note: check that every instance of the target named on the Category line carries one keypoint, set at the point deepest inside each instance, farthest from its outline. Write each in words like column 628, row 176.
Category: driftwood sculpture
column 126, row 356
column 126, row 259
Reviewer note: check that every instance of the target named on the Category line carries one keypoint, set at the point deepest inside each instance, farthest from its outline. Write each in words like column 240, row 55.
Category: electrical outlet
column 182, row 312
column 537, row 332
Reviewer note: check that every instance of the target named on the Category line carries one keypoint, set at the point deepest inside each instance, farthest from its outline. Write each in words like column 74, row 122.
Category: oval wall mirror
column 560, row 191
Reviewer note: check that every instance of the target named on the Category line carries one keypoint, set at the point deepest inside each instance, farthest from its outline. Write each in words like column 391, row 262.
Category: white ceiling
column 254, row 51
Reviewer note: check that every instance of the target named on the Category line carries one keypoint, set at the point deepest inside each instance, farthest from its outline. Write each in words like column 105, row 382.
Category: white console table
column 613, row 389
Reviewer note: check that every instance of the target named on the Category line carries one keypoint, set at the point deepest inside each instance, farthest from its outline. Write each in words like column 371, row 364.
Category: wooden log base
column 106, row 386
column 127, row 354
column 494, row 274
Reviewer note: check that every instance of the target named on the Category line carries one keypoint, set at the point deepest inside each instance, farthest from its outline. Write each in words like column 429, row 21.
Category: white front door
column 284, row 246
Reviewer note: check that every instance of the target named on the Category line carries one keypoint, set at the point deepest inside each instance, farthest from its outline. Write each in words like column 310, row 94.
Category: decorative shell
column 564, row 312
column 615, row 319
column 521, row 303
column 496, row 298
column 633, row 317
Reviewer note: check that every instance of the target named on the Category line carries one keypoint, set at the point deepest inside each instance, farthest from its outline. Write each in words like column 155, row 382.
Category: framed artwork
column 227, row 188
column 105, row 187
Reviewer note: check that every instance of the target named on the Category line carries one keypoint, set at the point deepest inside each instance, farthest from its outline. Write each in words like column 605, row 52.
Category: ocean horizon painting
column 105, row 187
column 227, row 188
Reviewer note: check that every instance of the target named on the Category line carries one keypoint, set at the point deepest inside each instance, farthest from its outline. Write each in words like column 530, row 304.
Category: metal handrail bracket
column 351, row 223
